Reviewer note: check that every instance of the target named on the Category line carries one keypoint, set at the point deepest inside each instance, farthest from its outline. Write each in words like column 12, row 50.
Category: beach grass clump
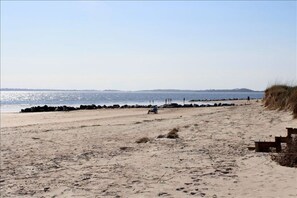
column 292, row 101
column 288, row 157
column 173, row 134
column 281, row 97
column 143, row 140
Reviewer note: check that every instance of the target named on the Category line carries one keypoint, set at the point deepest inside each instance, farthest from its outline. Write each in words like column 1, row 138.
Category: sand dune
column 93, row 153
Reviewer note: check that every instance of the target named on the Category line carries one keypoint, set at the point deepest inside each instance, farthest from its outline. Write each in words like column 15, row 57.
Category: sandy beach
column 93, row 153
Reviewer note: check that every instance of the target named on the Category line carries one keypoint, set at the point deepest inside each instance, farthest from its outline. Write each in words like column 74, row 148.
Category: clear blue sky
column 147, row 45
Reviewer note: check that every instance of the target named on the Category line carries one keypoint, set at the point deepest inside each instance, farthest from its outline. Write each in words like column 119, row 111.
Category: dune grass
column 281, row 97
column 284, row 97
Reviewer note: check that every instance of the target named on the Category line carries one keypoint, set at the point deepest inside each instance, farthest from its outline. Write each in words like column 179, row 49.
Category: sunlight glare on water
column 16, row 100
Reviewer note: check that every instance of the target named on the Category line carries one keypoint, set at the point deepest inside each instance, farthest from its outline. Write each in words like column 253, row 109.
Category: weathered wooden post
column 278, row 146
column 291, row 131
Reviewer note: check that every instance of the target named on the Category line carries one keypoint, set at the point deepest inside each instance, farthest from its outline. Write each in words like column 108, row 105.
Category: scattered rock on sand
column 143, row 140
column 126, row 148
column 173, row 134
column 161, row 136
column 46, row 189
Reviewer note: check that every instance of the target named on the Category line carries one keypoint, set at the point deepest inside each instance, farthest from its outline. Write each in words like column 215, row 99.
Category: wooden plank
column 265, row 146
column 282, row 139
column 261, row 146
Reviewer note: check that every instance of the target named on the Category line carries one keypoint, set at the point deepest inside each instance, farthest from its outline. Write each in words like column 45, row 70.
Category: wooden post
column 291, row 131
column 278, row 145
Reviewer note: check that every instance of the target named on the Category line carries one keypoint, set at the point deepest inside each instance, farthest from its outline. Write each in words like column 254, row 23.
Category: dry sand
column 93, row 153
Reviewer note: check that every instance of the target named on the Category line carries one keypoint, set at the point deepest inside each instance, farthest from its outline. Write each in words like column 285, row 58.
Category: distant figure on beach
column 153, row 110
column 248, row 98
column 184, row 100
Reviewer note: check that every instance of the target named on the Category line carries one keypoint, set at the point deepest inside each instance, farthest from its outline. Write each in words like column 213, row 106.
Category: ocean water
column 14, row 101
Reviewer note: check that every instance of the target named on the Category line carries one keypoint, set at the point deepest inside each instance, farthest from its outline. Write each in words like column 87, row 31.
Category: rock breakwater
column 46, row 108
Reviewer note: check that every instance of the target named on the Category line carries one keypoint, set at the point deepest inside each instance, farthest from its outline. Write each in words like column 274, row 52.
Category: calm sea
column 14, row 101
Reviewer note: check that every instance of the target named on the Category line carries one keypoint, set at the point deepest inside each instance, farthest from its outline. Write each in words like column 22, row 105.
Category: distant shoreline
column 153, row 90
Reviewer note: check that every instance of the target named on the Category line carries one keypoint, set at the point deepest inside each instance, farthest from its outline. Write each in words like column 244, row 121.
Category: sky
column 137, row 45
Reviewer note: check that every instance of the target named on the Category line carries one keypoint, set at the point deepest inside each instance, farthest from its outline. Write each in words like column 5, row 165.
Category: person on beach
column 153, row 110
column 248, row 99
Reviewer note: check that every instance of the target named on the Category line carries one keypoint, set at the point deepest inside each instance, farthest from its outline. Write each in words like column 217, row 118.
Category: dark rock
column 46, row 189
column 116, row 106
column 188, row 105
column 161, row 136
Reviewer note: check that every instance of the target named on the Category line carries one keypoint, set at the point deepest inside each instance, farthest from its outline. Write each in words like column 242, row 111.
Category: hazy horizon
column 171, row 89
column 192, row 45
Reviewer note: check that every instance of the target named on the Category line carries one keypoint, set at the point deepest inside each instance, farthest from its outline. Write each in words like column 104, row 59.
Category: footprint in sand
column 163, row 194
